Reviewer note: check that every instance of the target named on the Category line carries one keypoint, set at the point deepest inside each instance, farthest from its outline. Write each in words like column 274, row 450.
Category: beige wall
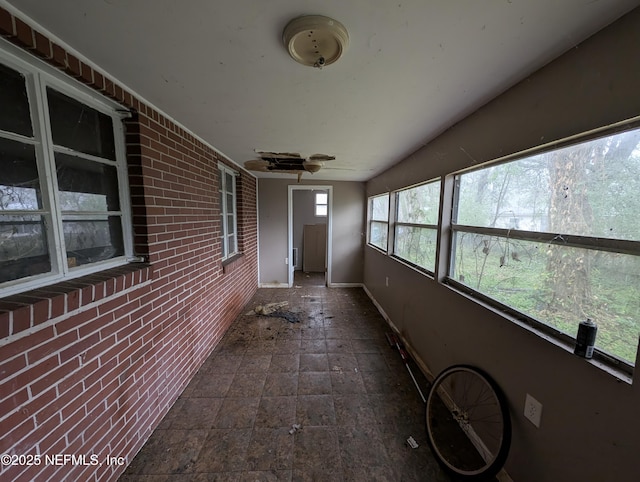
column 590, row 424
column 347, row 241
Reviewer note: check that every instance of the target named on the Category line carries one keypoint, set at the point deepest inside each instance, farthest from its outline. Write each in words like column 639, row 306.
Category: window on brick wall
column 63, row 180
column 228, row 211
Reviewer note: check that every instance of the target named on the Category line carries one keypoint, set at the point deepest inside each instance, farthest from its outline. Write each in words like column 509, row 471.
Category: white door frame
column 304, row 187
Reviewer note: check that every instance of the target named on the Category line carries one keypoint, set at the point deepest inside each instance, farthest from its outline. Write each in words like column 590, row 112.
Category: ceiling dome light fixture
column 315, row 40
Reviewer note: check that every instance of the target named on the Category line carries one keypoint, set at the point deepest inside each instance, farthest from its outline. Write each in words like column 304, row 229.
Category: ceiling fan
column 287, row 162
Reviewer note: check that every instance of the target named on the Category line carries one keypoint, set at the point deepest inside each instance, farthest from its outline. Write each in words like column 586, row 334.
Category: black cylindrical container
column 586, row 338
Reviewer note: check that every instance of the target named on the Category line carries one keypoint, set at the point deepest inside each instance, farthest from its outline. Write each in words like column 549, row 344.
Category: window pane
column 557, row 285
column 230, row 224
column 79, row 127
column 588, row 189
column 19, row 184
column 85, row 185
column 378, row 235
column 417, row 245
column 232, row 244
column 380, row 208
column 89, row 240
column 419, row 204
column 228, row 182
column 14, row 115
column 321, row 210
column 321, row 198
column 23, row 247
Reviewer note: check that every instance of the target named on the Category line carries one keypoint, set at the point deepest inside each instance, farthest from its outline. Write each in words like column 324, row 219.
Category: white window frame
column 372, row 220
column 319, row 204
column 229, row 249
column 38, row 77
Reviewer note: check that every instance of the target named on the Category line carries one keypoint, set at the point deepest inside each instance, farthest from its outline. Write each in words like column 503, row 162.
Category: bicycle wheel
column 468, row 422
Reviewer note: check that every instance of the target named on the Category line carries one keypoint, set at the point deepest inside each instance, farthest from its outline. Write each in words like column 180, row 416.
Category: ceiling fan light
column 312, row 166
column 315, row 40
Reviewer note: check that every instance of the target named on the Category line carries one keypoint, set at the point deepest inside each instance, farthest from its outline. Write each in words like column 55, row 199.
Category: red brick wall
column 90, row 366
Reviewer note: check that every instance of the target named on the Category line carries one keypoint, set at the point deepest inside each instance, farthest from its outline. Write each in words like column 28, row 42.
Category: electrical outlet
column 286, row 260
column 532, row 410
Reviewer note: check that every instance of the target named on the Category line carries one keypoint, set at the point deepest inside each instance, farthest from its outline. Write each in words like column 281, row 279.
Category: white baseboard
column 419, row 361
column 273, row 285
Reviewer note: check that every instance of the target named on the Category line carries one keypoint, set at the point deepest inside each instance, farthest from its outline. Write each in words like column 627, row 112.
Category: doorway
column 309, row 232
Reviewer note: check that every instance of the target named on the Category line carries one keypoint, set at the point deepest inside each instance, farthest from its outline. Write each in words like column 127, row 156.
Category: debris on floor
column 275, row 310
column 294, row 428
column 290, row 316
column 412, row 443
column 270, row 308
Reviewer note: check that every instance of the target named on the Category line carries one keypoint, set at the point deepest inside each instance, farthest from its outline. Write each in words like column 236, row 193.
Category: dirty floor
column 325, row 399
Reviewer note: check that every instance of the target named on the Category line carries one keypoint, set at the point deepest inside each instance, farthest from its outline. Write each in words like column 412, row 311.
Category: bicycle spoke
column 467, row 422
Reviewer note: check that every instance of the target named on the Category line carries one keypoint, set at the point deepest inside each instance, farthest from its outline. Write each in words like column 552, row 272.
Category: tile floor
column 333, row 373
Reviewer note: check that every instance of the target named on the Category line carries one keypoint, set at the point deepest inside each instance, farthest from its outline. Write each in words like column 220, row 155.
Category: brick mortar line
column 116, row 369
column 94, row 304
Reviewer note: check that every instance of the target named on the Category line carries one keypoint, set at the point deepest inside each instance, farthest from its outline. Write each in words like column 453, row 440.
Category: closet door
column 314, row 250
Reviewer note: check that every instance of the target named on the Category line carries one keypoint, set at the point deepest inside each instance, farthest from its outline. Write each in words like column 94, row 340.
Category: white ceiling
column 413, row 67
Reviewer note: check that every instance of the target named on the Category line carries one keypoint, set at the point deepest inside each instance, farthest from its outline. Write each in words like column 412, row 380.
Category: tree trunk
column 569, row 269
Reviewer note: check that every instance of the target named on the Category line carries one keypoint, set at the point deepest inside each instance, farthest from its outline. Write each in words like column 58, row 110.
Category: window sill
column 413, row 266
column 232, row 263
column 610, row 366
column 24, row 312
column 377, row 248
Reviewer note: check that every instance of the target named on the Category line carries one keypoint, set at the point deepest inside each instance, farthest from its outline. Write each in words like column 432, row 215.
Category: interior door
column 315, row 248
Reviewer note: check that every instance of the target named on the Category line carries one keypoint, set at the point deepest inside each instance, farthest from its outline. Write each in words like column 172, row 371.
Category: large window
column 379, row 220
column 555, row 236
column 228, row 211
column 63, row 189
column 416, row 224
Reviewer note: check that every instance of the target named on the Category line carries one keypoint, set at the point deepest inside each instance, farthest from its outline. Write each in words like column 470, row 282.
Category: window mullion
column 46, row 165
column 123, row 185
column 89, row 157
column 568, row 240
column 17, row 137
column 392, row 216
column 416, row 225
column 444, row 238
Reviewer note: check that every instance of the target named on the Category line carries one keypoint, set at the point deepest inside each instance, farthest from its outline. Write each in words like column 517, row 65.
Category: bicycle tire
column 468, row 422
